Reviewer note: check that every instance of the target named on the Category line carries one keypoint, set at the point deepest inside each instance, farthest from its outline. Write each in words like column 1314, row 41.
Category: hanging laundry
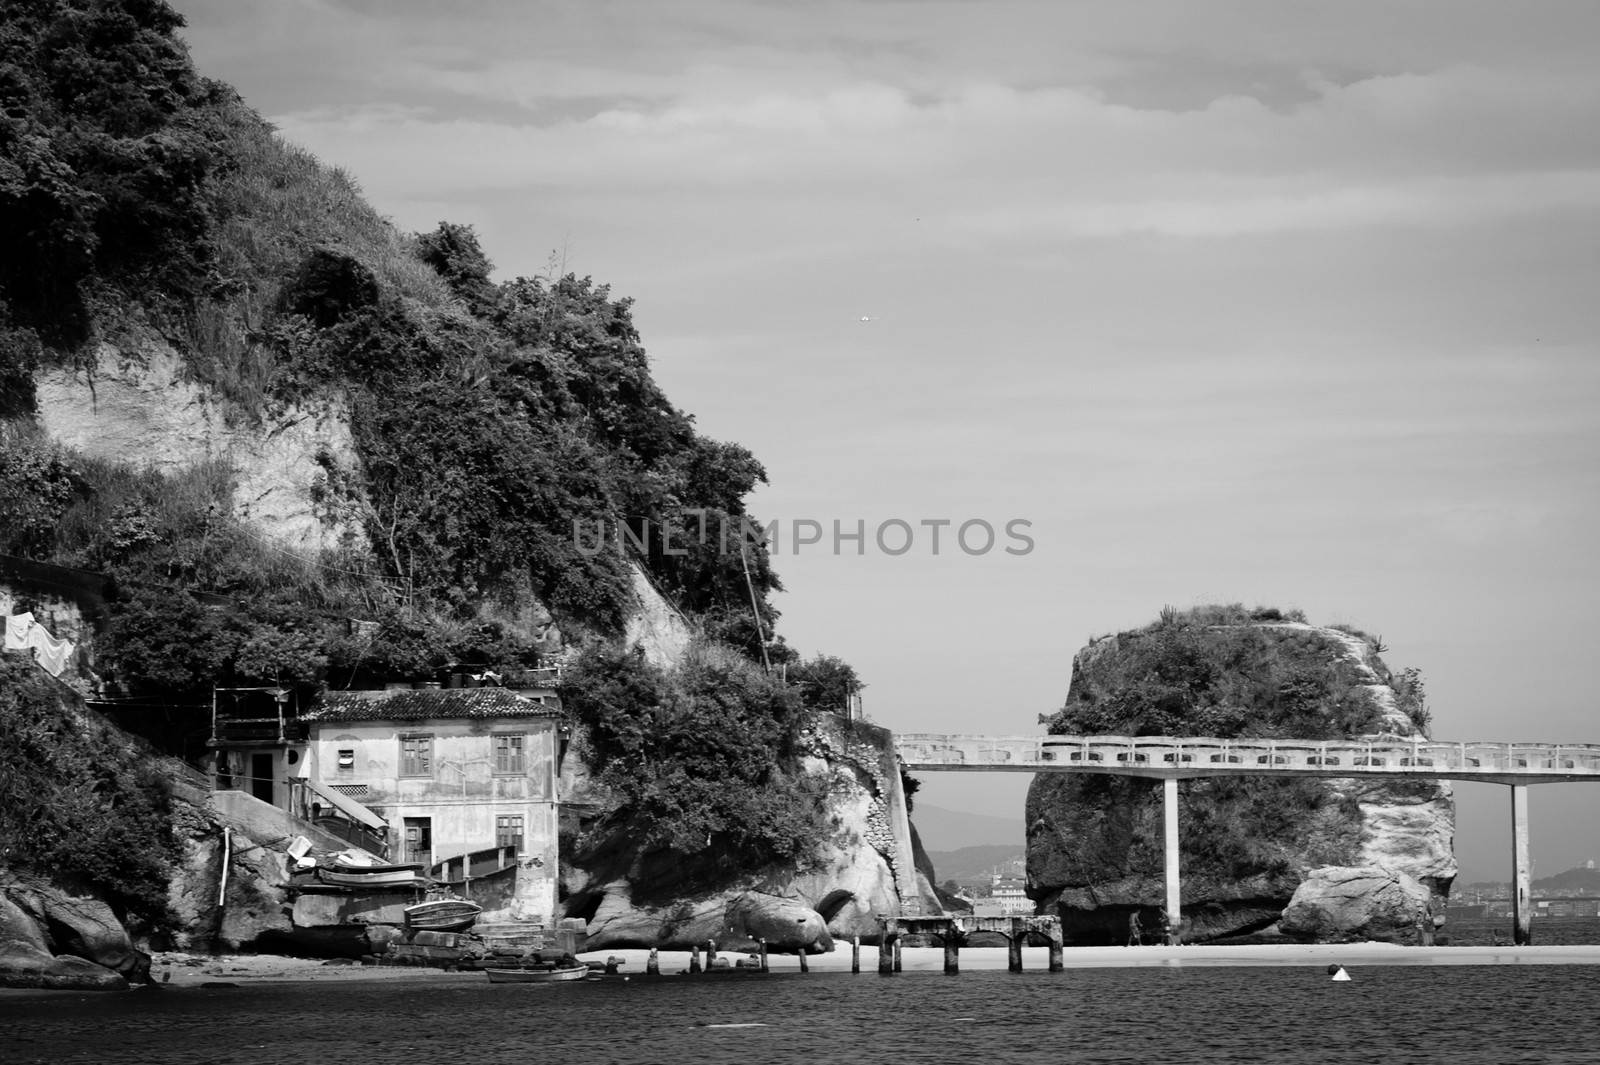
column 17, row 627
column 51, row 654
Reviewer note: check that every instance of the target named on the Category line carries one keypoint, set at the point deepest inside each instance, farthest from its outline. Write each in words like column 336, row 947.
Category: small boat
column 343, row 864
column 535, row 976
column 443, row 915
column 402, row 876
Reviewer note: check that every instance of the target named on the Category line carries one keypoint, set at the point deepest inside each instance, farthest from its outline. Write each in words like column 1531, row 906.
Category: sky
column 1258, row 301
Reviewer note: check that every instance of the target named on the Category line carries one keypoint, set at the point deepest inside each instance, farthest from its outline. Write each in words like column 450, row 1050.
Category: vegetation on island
column 492, row 421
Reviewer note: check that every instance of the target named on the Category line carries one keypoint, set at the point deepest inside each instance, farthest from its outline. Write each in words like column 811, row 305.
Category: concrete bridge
column 1174, row 758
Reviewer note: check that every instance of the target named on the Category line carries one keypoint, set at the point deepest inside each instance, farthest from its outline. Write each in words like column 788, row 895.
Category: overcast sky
column 1275, row 302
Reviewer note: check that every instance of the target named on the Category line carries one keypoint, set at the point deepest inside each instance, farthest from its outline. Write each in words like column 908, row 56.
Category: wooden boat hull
column 398, row 878
column 536, row 976
column 443, row 915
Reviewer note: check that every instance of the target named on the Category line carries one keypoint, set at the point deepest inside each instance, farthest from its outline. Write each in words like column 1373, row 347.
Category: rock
column 26, row 961
column 83, row 927
column 784, row 924
column 257, row 899
column 1095, row 844
column 139, row 404
column 655, row 626
column 1343, row 904
column 859, row 873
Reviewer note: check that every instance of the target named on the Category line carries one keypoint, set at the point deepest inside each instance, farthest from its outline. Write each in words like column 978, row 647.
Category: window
column 416, row 756
column 508, row 831
column 508, row 753
column 347, row 759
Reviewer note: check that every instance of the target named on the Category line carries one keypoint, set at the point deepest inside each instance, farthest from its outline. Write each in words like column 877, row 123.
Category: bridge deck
column 1183, row 757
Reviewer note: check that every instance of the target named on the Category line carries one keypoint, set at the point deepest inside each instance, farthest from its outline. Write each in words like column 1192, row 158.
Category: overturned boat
column 442, row 915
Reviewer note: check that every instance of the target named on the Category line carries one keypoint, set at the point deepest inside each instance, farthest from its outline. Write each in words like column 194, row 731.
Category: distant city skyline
column 1281, row 303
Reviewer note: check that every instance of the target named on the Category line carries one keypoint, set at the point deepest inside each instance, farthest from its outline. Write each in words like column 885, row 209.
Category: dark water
column 1547, row 932
column 1463, row 1015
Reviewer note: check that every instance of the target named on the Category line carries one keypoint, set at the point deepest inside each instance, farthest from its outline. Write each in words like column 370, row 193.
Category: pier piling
column 694, row 959
column 652, row 965
column 1521, row 902
column 855, row 954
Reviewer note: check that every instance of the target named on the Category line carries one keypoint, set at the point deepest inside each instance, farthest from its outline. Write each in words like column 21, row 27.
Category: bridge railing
column 1378, row 754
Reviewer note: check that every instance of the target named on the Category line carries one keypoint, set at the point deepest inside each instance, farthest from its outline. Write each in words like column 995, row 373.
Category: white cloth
column 51, row 654
column 17, row 627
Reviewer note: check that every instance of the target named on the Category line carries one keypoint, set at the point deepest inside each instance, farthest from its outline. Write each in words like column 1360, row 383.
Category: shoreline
column 175, row 970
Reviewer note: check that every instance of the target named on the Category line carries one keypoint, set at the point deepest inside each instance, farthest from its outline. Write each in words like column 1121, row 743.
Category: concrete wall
column 462, row 795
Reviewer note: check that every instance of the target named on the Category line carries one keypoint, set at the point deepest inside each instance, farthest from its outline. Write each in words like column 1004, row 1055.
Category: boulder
column 257, row 897
column 785, row 924
column 1343, row 904
column 26, row 961
column 82, row 926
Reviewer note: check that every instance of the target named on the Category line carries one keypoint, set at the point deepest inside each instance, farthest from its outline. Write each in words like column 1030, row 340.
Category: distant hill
column 948, row 830
column 1573, row 880
column 973, row 865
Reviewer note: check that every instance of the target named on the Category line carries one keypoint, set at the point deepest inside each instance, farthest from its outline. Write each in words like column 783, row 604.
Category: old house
column 450, row 772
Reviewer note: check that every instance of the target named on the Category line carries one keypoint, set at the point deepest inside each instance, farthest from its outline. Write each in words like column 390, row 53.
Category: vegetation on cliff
column 496, row 425
column 702, row 762
column 76, row 803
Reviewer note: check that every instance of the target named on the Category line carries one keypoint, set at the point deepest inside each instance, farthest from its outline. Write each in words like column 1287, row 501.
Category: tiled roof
column 420, row 705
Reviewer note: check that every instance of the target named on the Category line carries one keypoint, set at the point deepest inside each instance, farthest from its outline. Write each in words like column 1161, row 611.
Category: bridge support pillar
column 1169, row 796
column 1521, row 901
column 1014, row 943
column 888, row 944
column 952, row 950
column 1057, row 961
column 855, row 954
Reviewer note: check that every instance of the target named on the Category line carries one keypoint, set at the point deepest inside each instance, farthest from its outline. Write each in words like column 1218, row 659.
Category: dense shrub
column 108, row 140
column 824, row 683
column 75, row 802
column 702, row 760
column 37, row 485
column 1195, row 675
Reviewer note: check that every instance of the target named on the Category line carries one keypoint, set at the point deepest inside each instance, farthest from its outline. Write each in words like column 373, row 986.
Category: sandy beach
column 182, row 970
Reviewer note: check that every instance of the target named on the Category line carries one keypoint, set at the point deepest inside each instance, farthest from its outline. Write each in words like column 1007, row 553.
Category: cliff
column 1247, row 846
column 291, row 446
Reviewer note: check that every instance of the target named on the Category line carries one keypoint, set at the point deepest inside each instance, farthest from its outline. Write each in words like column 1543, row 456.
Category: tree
column 825, row 683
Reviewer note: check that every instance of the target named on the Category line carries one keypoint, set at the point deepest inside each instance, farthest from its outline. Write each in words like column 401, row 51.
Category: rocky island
column 1314, row 859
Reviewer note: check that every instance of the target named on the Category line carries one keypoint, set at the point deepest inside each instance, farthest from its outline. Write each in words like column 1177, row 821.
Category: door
column 261, row 776
column 419, row 840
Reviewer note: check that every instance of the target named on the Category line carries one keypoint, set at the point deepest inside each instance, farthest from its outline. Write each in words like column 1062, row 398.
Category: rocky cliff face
column 135, row 404
column 1248, row 847
column 863, row 871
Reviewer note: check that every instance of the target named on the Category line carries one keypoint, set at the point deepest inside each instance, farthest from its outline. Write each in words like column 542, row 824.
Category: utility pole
column 755, row 607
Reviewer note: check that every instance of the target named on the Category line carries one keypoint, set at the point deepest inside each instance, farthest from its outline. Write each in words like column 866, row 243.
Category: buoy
column 1337, row 972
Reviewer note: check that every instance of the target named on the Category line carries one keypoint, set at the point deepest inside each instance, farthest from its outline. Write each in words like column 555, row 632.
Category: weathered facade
column 450, row 772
